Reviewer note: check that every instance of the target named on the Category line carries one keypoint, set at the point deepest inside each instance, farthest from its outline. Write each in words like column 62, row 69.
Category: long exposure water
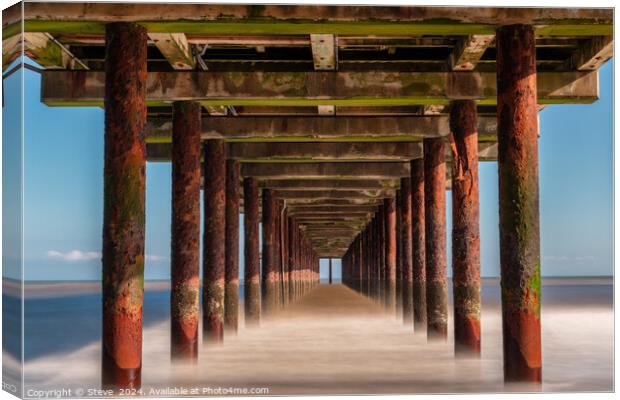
column 331, row 341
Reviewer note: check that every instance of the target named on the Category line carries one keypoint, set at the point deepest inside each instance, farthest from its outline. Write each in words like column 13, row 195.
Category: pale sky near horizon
column 63, row 191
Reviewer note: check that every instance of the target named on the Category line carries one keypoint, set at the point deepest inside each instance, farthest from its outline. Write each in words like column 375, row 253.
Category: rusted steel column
column 390, row 252
column 251, row 280
column 214, row 257
column 465, row 228
column 518, row 202
column 291, row 259
column 381, row 254
column 123, row 207
column 231, row 305
column 405, row 253
column 285, row 259
column 418, row 251
column 435, row 230
column 185, row 249
column 399, row 271
column 270, row 252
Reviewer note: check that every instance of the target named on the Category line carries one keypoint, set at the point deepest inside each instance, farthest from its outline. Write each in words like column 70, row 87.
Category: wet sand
column 335, row 341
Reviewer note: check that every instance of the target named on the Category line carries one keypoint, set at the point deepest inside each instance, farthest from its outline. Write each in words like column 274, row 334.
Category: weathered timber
column 593, row 53
column 291, row 152
column 418, row 250
column 85, row 88
column 232, row 19
column 231, row 292
column 333, row 194
column 305, row 152
column 334, row 202
column 42, row 48
column 435, row 239
column 301, row 209
column 185, row 239
column 357, row 170
column 330, row 184
column 465, row 229
column 309, row 128
column 124, row 187
column 519, row 229
column 468, row 51
column 251, row 282
column 175, row 48
column 214, row 239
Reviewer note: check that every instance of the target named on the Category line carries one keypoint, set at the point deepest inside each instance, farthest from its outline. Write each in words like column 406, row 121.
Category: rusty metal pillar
column 251, row 280
column 270, row 249
column 214, row 250
column 517, row 128
column 435, row 230
column 285, row 258
column 465, row 228
column 390, row 253
column 123, row 207
column 231, row 293
column 381, row 254
column 291, row 259
column 399, row 271
column 185, row 249
column 405, row 253
column 418, row 251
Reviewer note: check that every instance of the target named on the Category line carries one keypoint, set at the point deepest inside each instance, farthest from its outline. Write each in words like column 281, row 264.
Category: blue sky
column 63, row 191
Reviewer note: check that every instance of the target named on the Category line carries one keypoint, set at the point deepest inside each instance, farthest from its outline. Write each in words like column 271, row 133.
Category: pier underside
column 339, row 129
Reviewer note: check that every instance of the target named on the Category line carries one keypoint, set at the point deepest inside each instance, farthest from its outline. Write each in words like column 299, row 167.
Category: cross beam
column 316, row 88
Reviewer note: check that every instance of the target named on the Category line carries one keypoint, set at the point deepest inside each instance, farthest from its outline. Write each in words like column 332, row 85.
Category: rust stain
column 124, row 202
column 518, row 202
column 214, row 260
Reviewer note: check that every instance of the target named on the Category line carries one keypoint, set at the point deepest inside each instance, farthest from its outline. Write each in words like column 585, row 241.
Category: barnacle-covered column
column 435, row 231
column 231, row 294
column 251, row 252
column 185, row 249
column 465, row 228
column 214, row 254
column 270, row 257
column 519, row 230
column 405, row 252
column 390, row 253
column 418, row 250
column 123, row 206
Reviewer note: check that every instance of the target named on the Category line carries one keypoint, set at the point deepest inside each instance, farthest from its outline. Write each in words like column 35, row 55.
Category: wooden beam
column 305, row 152
column 74, row 88
column 42, row 48
column 593, row 53
column 300, row 209
column 175, row 48
column 468, row 51
column 358, row 170
column 333, row 202
column 334, row 194
column 231, row 19
column 360, row 128
column 330, row 184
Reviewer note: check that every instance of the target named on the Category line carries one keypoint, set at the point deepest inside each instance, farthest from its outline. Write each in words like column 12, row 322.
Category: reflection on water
column 332, row 341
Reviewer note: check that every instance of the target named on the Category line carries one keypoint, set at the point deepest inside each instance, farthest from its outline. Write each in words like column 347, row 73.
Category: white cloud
column 78, row 255
column 74, row 255
column 155, row 258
